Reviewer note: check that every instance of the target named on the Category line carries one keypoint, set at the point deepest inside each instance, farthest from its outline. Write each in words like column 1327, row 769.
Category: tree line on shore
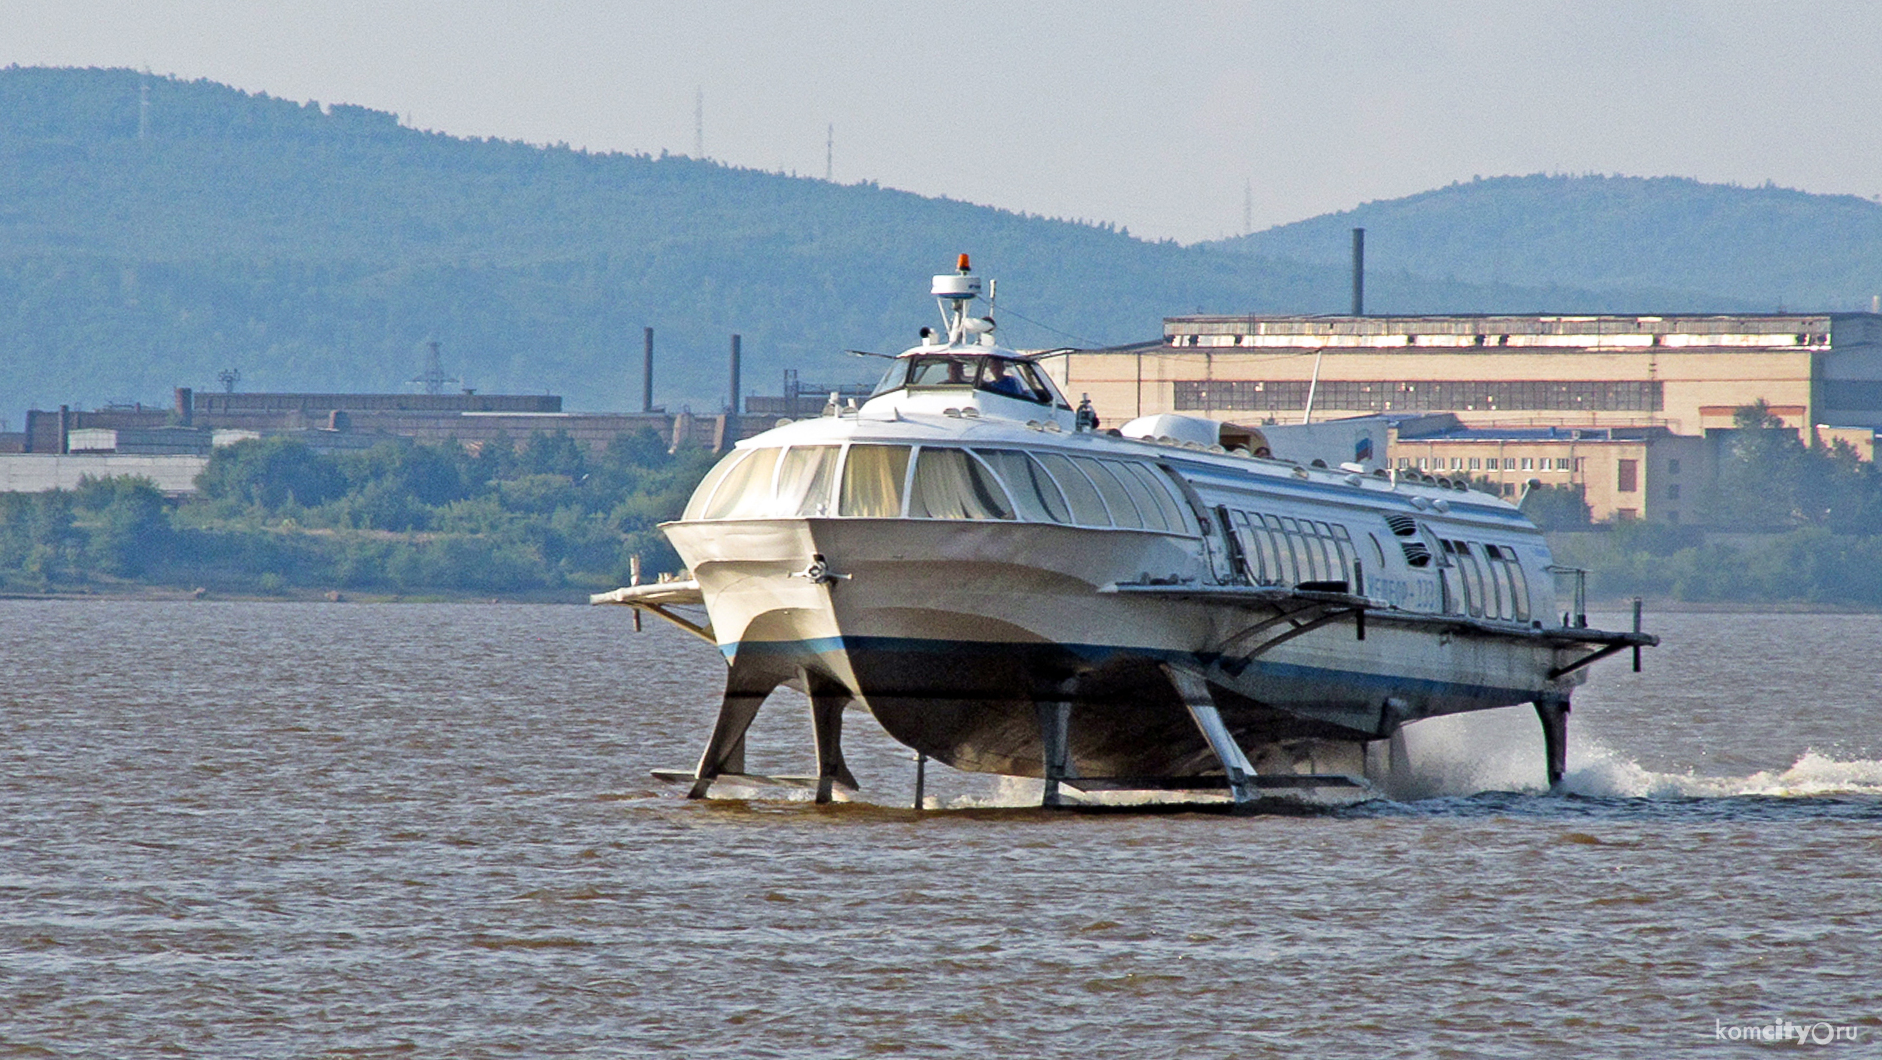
column 1780, row 521
column 273, row 516
column 1784, row 521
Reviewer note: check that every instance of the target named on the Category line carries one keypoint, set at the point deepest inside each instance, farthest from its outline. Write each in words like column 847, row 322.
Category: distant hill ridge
column 316, row 248
column 1769, row 247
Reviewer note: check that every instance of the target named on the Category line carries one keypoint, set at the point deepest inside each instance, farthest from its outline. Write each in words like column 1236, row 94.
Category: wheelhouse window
column 1006, row 376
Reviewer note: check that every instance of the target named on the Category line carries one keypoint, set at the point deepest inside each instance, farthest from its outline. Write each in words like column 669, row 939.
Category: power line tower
column 143, row 106
column 829, row 154
column 433, row 378
column 699, row 124
column 228, row 377
column 1248, row 206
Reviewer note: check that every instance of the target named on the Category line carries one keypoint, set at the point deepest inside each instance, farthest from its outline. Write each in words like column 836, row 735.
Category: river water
column 260, row 830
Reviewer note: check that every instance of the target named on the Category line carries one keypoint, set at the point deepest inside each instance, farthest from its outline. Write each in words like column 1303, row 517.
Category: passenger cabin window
column 804, row 480
column 696, row 506
column 745, row 492
column 1160, row 494
column 953, row 484
column 1116, row 498
column 1285, row 550
column 1087, row 507
column 872, row 481
column 1491, row 579
column 1037, row 497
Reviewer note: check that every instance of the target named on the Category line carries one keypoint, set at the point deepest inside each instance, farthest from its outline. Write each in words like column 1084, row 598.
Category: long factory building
column 1632, row 408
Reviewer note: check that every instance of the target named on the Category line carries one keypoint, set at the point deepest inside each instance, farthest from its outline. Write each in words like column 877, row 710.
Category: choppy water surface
column 355, row 830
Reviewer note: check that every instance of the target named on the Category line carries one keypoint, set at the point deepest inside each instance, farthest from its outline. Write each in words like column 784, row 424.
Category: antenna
column 143, row 106
column 1248, row 207
column 699, row 124
column 433, row 377
column 829, row 153
column 228, row 377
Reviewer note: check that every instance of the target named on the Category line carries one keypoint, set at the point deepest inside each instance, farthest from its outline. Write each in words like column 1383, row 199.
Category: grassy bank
column 544, row 519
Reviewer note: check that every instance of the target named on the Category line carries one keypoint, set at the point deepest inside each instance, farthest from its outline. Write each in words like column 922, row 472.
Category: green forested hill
column 316, row 247
column 1766, row 247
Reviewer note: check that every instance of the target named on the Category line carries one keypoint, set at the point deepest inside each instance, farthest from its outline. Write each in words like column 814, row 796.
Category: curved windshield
column 1005, row 376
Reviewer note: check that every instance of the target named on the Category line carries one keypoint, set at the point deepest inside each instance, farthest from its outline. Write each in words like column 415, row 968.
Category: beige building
column 1683, row 373
column 1632, row 408
column 1626, row 473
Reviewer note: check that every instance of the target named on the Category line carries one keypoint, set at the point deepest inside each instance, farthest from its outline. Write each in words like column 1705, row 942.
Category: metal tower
column 433, row 378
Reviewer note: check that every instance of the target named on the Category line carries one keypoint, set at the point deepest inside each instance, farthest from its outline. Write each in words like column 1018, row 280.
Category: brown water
column 353, row 830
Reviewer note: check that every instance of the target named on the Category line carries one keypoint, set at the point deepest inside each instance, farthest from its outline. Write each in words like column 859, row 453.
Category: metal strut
column 1055, row 730
column 1554, row 714
column 745, row 692
column 1202, row 709
column 827, row 702
column 1323, row 614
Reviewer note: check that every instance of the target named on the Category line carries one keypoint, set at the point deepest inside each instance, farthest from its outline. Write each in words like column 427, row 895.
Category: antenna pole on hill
column 143, row 106
column 1248, row 207
column 699, row 124
column 829, row 154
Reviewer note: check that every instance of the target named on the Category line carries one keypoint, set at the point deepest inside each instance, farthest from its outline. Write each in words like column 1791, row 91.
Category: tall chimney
column 646, row 375
column 185, row 413
column 65, row 429
column 1359, row 272
column 734, row 410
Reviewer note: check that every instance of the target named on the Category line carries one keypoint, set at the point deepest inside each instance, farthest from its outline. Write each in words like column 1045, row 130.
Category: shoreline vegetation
column 273, row 519
column 1787, row 527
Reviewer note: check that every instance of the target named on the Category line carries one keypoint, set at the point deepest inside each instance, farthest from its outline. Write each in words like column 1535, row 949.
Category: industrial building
column 172, row 444
column 1632, row 408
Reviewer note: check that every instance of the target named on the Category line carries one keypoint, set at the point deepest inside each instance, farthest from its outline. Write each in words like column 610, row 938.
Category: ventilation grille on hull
column 1402, row 525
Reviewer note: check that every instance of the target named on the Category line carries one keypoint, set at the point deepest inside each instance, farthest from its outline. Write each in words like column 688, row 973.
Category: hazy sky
column 1155, row 116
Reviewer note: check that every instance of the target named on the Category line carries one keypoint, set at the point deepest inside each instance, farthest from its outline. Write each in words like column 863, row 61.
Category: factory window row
column 1576, row 464
column 940, row 482
column 1214, row 395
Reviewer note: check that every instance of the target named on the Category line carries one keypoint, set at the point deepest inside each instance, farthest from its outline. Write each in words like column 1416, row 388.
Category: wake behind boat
column 1010, row 590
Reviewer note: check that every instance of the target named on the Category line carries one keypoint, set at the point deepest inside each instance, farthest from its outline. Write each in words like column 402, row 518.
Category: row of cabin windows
column 1283, row 550
column 1492, row 580
column 936, row 482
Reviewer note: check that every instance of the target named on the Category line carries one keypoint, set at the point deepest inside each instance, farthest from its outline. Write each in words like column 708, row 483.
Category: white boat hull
column 954, row 634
